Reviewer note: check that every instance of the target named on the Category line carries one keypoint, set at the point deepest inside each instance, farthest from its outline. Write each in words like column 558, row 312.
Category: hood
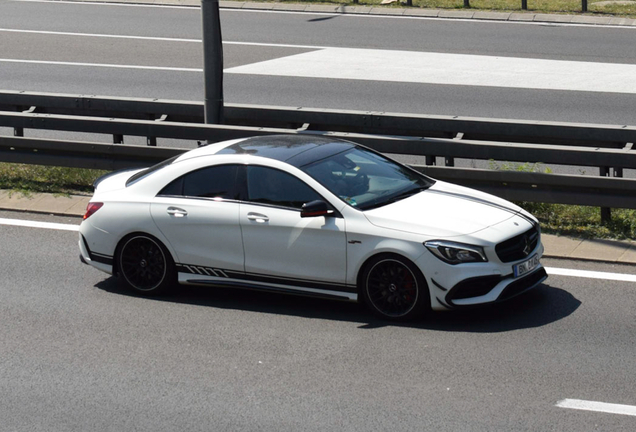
column 444, row 210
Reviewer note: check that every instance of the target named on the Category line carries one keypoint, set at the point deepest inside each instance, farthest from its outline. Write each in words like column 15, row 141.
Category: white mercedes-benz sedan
column 315, row 216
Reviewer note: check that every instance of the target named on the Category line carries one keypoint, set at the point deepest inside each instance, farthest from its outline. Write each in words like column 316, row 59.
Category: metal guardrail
column 607, row 147
column 367, row 122
column 518, row 186
column 79, row 154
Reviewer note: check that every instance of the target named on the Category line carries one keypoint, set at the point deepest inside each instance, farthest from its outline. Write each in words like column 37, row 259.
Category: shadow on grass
column 538, row 307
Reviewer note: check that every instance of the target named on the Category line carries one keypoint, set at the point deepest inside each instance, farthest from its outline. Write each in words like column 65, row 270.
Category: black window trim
column 245, row 192
column 237, row 189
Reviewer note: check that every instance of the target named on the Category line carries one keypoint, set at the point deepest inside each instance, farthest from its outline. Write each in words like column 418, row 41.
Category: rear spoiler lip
column 110, row 174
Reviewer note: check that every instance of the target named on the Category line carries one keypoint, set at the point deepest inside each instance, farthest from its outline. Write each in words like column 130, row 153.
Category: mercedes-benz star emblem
column 528, row 247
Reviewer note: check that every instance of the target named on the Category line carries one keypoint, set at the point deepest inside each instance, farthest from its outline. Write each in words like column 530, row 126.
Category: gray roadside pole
column 212, row 61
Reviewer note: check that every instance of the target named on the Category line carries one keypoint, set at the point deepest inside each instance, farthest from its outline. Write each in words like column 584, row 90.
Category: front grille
column 518, row 247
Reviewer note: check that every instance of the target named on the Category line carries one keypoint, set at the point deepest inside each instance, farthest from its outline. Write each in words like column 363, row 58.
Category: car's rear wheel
column 394, row 288
column 144, row 265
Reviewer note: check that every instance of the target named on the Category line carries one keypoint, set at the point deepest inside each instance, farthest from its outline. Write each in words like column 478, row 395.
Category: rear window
column 144, row 173
column 211, row 182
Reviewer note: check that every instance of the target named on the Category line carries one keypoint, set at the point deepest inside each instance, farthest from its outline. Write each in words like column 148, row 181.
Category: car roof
column 296, row 150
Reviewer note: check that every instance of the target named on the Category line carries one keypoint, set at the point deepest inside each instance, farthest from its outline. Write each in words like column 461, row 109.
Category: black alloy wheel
column 394, row 288
column 145, row 265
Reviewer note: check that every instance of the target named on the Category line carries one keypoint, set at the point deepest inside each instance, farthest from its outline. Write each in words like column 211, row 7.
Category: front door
column 280, row 246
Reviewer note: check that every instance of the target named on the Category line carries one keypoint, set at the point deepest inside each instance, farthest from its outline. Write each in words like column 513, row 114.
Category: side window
column 211, row 182
column 271, row 186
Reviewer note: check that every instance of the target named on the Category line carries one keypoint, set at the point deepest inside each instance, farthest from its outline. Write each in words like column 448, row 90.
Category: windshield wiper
column 397, row 197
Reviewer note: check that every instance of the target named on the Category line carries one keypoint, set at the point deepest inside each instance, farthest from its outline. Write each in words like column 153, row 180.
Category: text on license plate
column 526, row 266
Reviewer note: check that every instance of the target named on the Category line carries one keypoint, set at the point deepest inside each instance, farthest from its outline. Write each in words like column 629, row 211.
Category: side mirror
column 314, row 209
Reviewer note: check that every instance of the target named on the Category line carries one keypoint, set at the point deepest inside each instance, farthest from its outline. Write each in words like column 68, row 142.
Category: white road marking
column 77, row 3
column 425, row 68
column 551, row 270
column 159, row 39
column 34, row 224
column 591, row 274
column 101, row 65
column 597, row 406
column 99, row 35
column 450, row 69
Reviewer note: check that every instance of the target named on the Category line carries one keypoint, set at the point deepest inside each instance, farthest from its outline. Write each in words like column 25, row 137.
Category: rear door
column 199, row 215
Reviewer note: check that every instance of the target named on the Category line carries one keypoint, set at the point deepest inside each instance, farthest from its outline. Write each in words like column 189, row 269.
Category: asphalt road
column 254, row 37
column 78, row 353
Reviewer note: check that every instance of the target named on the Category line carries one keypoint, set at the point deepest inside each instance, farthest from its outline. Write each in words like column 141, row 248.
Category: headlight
column 456, row 253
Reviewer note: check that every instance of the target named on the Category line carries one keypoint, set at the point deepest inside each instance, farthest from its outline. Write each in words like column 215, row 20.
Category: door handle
column 257, row 217
column 177, row 212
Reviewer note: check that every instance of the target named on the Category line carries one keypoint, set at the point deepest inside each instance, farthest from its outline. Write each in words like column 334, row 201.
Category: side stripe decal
column 254, row 277
column 202, row 270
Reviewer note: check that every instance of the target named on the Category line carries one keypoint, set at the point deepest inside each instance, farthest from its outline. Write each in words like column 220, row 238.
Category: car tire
column 393, row 288
column 144, row 265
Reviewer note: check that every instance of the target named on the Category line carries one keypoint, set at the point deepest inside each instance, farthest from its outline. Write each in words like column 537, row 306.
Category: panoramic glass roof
column 297, row 150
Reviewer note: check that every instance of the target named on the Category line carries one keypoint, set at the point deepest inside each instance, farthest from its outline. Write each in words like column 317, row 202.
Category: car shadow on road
column 322, row 18
column 538, row 307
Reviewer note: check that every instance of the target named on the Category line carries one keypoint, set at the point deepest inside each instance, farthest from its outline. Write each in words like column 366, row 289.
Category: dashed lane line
column 551, row 270
column 158, row 39
column 137, row 5
column 597, row 406
column 591, row 274
column 103, row 65
column 36, row 224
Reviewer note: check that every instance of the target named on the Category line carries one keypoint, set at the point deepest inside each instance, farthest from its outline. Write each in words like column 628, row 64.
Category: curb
column 606, row 251
column 571, row 18
column 57, row 205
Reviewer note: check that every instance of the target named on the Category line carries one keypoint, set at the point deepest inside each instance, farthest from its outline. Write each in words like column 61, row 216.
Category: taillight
column 91, row 208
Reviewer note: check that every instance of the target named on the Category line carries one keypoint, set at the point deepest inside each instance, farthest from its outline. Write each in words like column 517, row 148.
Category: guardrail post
column 118, row 139
column 524, row 4
column 583, row 5
column 18, row 132
column 466, row 3
column 151, row 141
column 431, row 160
column 606, row 212
column 212, row 61
column 449, row 161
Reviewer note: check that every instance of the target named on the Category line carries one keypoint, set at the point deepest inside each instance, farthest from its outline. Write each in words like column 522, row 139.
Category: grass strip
column 29, row 179
column 583, row 221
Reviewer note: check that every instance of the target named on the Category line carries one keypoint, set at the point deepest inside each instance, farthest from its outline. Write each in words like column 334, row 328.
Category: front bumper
column 492, row 288
column 463, row 286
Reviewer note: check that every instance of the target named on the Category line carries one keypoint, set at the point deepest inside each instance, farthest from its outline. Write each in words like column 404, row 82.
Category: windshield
column 365, row 179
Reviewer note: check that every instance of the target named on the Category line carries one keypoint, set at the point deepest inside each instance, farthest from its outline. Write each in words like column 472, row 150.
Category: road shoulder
column 412, row 12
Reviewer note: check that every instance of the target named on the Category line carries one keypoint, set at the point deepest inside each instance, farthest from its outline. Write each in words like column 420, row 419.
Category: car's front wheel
column 144, row 265
column 394, row 288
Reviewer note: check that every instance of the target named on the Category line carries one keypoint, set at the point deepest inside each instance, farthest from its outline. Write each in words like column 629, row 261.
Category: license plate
column 526, row 266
